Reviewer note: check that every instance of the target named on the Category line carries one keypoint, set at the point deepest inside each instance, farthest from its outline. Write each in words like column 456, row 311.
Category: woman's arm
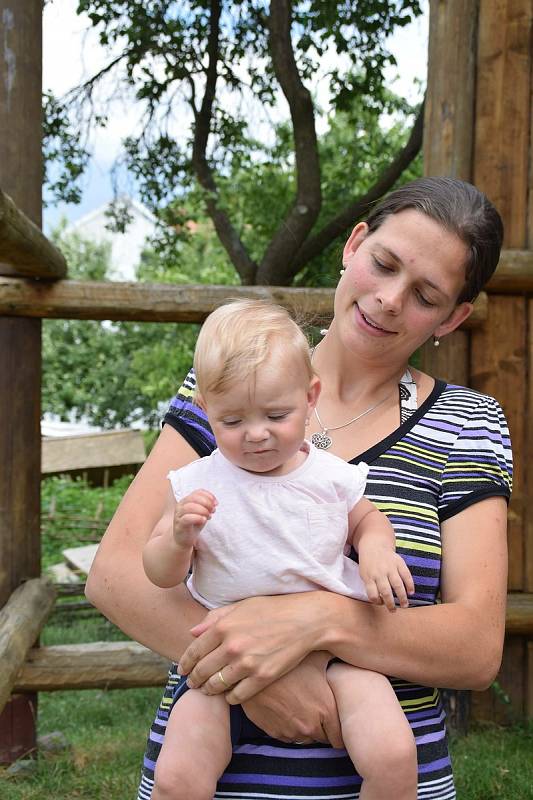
column 117, row 584
column 456, row 644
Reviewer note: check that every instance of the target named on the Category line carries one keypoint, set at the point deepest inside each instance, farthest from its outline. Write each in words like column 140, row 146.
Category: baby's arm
column 383, row 571
column 167, row 554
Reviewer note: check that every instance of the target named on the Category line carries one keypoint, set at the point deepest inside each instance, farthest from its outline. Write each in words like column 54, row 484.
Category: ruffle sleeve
column 480, row 463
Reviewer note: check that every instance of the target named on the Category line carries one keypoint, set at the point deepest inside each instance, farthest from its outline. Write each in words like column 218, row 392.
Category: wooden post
column 448, row 143
column 20, row 339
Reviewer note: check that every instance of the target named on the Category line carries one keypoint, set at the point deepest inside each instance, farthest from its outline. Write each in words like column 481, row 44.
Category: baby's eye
column 278, row 416
column 230, row 423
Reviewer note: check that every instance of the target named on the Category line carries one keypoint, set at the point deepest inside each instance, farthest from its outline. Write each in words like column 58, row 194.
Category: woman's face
column 400, row 286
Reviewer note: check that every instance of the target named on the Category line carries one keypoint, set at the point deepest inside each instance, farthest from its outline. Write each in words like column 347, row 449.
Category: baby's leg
column 376, row 733
column 196, row 748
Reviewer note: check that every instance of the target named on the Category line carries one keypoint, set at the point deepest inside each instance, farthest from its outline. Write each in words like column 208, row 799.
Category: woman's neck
column 352, row 379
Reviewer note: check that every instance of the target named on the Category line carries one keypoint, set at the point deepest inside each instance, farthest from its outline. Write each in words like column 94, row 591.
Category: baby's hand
column 385, row 574
column 191, row 514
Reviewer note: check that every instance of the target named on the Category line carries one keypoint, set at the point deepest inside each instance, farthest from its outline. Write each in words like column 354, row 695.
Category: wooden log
column 449, row 113
column 122, row 665
column 21, row 170
column 514, row 274
column 528, row 490
column 24, row 249
column 145, row 302
column 519, row 614
column 99, row 665
column 21, row 621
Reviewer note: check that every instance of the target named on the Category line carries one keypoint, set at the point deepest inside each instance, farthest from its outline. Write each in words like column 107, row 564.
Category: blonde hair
column 237, row 338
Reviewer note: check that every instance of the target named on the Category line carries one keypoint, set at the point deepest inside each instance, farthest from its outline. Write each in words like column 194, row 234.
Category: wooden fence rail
column 149, row 302
column 120, row 665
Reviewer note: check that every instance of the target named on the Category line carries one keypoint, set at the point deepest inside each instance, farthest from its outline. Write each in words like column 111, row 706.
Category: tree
column 201, row 60
column 110, row 374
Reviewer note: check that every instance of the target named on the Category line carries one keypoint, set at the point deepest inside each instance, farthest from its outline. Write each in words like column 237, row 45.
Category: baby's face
column 259, row 424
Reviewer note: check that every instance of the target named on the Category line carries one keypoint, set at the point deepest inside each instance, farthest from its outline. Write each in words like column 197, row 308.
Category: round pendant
column 321, row 440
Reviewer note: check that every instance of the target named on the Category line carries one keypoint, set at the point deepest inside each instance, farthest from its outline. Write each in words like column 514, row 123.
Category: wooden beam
column 519, row 615
column 99, row 665
column 125, row 665
column 24, row 249
column 144, row 302
column 21, row 621
column 514, row 274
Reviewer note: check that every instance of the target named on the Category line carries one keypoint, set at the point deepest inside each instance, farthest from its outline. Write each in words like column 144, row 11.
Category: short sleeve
column 188, row 419
column 350, row 480
column 175, row 482
column 480, row 462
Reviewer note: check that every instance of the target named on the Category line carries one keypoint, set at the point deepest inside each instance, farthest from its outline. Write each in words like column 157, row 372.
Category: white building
column 126, row 247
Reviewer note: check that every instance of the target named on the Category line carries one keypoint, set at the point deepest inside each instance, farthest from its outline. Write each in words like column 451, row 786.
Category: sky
column 71, row 52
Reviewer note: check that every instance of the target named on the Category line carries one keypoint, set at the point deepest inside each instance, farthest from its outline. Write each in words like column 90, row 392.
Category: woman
column 440, row 468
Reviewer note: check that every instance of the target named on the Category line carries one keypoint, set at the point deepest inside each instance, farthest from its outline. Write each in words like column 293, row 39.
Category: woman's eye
column 380, row 265
column 424, row 301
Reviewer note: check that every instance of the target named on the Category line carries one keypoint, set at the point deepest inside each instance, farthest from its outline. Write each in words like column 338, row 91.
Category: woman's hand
column 299, row 707
column 242, row 648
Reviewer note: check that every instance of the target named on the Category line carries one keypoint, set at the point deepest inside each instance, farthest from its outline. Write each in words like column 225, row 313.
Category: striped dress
column 451, row 452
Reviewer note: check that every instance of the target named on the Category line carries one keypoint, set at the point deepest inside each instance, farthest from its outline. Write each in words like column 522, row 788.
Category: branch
column 288, row 239
column 223, row 226
column 349, row 216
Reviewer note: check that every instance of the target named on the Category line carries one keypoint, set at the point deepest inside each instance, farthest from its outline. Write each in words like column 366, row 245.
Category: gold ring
column 220, row 675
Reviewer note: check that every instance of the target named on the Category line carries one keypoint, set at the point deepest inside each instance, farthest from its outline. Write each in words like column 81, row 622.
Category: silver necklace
column 323, row 441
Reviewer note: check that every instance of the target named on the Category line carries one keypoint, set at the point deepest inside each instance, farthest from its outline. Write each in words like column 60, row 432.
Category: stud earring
column 343, row 270
column 436, row 341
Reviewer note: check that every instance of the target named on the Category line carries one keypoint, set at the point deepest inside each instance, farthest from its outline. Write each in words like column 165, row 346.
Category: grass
column 106, row 730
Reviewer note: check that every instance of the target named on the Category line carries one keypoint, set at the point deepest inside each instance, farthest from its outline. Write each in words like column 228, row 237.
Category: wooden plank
column 498, row 368
column 449, row 113
column 99, row 665
column 145, row 302
column 24, row 249
column 21, row 621
column 449, row 361
column 503, row 103
column 20, row 340
column 529, row 702
column 108, row 449
column 528, row 457
column 81, row 558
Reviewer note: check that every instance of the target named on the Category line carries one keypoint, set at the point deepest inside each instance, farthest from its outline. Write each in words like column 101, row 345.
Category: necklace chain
column 323, row 441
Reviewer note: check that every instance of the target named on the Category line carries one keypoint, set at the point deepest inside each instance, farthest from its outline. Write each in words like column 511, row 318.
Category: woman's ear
column 458, row 316
column 312, row 394
column 358, row 234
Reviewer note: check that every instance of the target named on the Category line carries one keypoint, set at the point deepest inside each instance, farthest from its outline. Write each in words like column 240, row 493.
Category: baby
column 268, row 513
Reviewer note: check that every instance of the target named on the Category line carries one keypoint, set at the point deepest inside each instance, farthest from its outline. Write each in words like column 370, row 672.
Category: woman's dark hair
column 461, row 209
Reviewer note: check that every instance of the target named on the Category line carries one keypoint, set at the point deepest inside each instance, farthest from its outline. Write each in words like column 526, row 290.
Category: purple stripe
column 430, row 737
column 423, row 581
column 149, row 764
column 428, row 712
column 433, row 766
column 416, row 561
column 440, row 426
column 283, row 752
column 429, row 526
column 287, row 780
column 157, row 737
column 431, row 721
column 415, row 459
